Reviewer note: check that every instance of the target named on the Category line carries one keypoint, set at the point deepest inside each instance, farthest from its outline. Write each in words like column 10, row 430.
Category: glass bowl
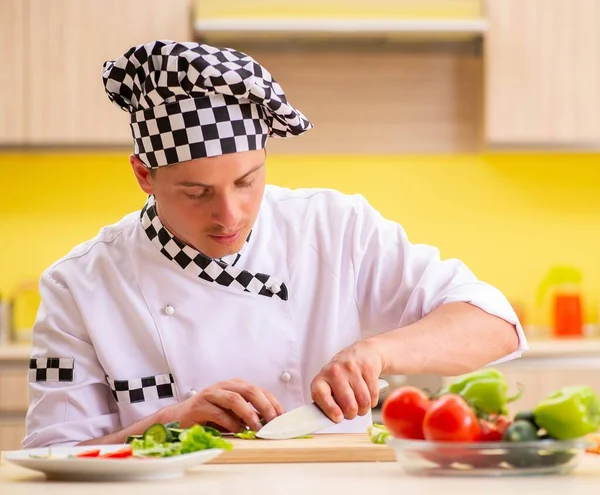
column 422, row 457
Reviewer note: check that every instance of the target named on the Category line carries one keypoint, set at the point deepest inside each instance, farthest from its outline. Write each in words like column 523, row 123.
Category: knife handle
column 383, row 385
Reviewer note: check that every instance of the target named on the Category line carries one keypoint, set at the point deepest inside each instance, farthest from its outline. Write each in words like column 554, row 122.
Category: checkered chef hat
column 191, row 100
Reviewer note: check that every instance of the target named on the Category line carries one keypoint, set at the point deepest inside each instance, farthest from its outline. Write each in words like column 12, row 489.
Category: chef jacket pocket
column 142, row 390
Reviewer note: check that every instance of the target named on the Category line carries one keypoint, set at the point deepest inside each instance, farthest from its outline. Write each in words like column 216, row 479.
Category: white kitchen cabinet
column 542, row 72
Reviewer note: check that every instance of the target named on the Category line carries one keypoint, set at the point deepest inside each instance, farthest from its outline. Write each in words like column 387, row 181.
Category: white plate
column 61, row 467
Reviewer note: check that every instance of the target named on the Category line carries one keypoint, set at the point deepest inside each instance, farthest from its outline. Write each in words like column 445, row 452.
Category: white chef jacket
column 133, row 332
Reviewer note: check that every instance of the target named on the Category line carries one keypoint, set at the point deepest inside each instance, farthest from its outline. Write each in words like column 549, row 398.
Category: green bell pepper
column 485, row 390
column 570, row 412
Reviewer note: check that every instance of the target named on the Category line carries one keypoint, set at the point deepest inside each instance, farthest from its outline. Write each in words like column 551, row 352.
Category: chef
column 227, row 301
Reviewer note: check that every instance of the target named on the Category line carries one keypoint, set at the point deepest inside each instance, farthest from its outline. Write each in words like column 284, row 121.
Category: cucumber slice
column 175, row 432
column 172, row 425
column 158, row 433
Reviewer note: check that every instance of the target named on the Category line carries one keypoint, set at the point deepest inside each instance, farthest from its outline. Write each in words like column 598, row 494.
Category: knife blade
column 301, row 421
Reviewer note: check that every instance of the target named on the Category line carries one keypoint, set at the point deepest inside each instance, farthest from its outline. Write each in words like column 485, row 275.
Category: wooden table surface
column 365, row 478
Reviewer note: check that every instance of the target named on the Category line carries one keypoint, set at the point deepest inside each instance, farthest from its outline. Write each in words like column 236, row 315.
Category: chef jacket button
column 169, row 309
column 274, row 288
column 285, row 377
column 192, row 393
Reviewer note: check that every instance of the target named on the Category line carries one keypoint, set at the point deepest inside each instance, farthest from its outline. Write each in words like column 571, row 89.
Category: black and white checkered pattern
column 202, row 266
column 142, row 389
column 191, row 100
column 51, row 369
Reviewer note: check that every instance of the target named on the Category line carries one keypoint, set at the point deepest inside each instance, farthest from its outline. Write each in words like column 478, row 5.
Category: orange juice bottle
column 565, row 284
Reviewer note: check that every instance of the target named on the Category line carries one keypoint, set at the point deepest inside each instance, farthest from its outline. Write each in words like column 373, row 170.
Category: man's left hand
column 348, row 385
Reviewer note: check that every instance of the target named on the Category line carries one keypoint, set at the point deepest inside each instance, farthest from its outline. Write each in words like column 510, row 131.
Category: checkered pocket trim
column 51, row 369
column 144, row 389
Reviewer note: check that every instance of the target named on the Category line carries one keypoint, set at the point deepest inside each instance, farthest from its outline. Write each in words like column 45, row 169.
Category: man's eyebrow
column 200, row 184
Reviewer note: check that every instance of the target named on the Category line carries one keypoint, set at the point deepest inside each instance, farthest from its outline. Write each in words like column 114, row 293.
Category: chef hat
column 191, row 100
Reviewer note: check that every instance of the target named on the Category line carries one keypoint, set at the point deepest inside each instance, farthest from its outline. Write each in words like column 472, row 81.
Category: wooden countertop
column 326, row 478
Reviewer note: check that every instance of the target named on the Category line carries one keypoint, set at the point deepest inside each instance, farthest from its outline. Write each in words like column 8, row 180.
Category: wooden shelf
column 290, row 27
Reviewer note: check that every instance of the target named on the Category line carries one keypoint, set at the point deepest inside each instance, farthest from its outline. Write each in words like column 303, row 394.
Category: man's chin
column 216, row 250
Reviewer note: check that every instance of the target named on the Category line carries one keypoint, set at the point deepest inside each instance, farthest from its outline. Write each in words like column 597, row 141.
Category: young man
column 226, row 301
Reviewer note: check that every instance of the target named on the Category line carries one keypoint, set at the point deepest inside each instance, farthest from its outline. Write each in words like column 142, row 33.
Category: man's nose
column 227, row 212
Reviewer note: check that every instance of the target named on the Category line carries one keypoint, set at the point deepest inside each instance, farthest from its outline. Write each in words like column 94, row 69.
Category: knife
column 301, row 421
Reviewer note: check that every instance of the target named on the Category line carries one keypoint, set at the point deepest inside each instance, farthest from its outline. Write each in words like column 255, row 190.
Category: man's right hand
column 231, row 404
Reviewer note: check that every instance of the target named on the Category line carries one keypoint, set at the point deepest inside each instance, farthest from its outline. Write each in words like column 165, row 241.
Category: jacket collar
column 219, row 271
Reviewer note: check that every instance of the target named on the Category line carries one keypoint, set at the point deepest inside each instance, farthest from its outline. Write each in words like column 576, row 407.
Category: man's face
column 210, row 204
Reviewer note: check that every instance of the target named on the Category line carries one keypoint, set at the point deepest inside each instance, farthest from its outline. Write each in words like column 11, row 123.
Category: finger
column 255, row 396
column 222, row 418
column 362, row 394
column 279, row 409
column 344, row 396
column 321, row 394
column 234, row 402
column 372, row 382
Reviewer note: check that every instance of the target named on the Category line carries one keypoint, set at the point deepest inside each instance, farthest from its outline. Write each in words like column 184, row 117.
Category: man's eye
column 194, row 196
column 245, row 184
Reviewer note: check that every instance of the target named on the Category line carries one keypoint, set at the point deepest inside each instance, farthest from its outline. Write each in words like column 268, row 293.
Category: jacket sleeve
column 399, row 283
column 70, row 400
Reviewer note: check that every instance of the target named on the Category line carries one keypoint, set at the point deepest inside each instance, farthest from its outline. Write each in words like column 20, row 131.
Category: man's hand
column 232, row 405
column 348, row 385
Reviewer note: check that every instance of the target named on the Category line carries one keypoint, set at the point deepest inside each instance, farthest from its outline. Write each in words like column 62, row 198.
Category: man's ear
column 142, row 174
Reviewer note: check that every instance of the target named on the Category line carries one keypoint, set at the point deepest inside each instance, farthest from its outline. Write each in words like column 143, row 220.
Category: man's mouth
column 225, row 238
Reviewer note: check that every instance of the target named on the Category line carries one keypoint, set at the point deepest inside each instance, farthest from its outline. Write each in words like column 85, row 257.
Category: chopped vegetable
column 189, row 440
column 89, row 453
column 378, row 433
column 570, row 412
column 131, row 437
column 246, row 434
column 251, row 435
column 118, row 454
column 158, row 433
column 485, row 390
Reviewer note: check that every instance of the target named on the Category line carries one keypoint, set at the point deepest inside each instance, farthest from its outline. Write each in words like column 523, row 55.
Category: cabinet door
column 14, row 392
column 543, row 72
column 69, row 40
column 12, row 77
column 11, row 434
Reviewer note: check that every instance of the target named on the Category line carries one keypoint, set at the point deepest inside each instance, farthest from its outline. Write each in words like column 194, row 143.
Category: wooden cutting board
column 340, row 447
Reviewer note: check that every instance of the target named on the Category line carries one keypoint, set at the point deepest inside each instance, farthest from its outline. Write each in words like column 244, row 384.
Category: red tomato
column 119, row 454
column 493, row 428
column 403, row 411
column 489, row 432
column 450, row 419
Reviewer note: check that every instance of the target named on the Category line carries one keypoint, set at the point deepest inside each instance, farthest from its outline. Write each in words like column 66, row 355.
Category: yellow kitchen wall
column 508, row 216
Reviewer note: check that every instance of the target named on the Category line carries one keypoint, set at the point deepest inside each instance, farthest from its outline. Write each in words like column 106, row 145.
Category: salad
column 161, row 441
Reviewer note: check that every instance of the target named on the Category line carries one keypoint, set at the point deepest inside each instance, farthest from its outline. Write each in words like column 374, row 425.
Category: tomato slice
column 89, row 453
column 118, row 454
